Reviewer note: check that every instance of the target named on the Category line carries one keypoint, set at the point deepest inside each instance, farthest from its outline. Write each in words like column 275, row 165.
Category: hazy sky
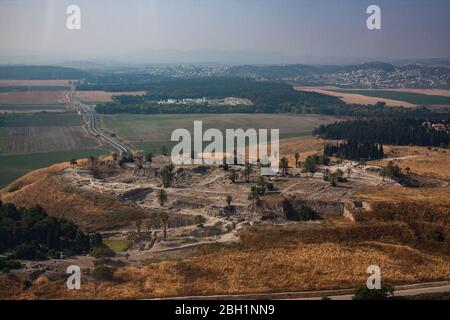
column 121, row 29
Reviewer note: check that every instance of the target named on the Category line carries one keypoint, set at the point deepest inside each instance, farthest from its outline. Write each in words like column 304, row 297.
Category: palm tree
column 228, row 200
column 164, row 217
column 284, row 165
column 262, row 184
column 73, row 163
column 253, row 196
column 162, row 197
column 326, row 174
column 232, row 175
column 297, row 157
column 92, row 159
column 138, row 224
column 247, row 172
column 339, row 174
column 167, row 175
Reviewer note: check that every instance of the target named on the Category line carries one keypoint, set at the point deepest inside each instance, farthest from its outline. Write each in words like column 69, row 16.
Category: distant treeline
column 354, row 150
column 32, row 88
column 267, row 97
column 120, row 82
column 386, row 131
column 41, row 73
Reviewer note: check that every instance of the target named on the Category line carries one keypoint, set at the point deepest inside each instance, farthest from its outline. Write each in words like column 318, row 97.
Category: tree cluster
column 386, row 131
column 31, row 234
column 354, row 150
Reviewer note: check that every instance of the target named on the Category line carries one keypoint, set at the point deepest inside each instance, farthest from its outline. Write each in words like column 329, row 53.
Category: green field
column 15, row 166
column 2, row 138
column 42, row 139
column 44, row 119
column 117, row 245
column 411, row 97
column 151, row 132
column 31, row 107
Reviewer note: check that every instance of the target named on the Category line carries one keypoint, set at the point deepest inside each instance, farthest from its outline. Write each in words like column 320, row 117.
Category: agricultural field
column 3, row 139
column 102, row 96
column 24, row 140
column 39, row 133
column 410, row 97
column 31, row 141
column 33, row 97
column 352, row 98
column 151, row 132
column 43, row 119
column 32, row 108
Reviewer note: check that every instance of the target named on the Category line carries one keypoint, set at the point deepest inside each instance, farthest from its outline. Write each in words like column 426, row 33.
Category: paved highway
column 345, row 294
column 91, row 116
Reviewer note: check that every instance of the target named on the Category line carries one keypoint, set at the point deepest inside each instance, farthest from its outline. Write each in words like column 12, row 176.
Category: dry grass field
column 33, row 97
column 431, row 162
column 103, row 96
column 396, row 194
column 267, row 260
column 305, row 146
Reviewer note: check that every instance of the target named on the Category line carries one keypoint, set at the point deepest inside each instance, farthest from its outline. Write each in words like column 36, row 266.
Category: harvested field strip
column 103, row 96
column 351, row 98
column 32, row 97
column 410, row 97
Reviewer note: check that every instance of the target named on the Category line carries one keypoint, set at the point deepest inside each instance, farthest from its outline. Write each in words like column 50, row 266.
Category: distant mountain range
column 85, row 69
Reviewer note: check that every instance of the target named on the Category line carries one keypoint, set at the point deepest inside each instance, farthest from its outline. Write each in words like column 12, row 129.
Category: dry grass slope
column 92, row 211
column 268, row 260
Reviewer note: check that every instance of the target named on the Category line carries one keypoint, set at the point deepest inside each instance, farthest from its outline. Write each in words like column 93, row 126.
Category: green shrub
column 303, row 214
column 28, row 251
column 364, row 293
column 437, row 235
column 306, row 213
column 199, row 220
column 9, row 264
column 104, row 273
column 103, row 252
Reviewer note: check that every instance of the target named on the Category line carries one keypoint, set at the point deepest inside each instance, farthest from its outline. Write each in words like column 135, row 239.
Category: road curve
column 91, row 116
